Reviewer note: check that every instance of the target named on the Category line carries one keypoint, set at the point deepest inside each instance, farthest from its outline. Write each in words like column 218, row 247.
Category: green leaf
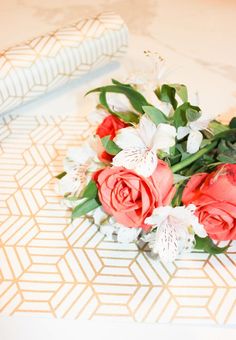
column 136, row 99
column 127, row 117
column 179, row 178
column 90, row 190
column 224, row 158
column 184, row 113
column 179, row 117
column 232, row 123
column 226, row 152
column 192, row 114
column 167, row 94
column 177, row 199
column 183, row 152
column 205, row 142
column 204, row 164
column 111, row 147
column 229, row 135
column 85, row 207
column 116, row 82
column 222, row 146
column 155, row 115
column 172, row 157
column 72, row 198
column 194, row 157
column 61, row 175
column 206, row 244
column 216, row 127
column 181, row 91
column 103, row 101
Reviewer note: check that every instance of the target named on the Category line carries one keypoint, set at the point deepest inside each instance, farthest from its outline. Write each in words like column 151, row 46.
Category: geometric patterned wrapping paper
column 51, row 268
column 43, row 63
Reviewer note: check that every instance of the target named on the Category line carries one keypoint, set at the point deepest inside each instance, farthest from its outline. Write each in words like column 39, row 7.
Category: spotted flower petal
column 141, row 160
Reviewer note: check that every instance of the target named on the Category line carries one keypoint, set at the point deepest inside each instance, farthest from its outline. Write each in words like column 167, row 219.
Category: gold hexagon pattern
column 52, row 268
column 43, row 63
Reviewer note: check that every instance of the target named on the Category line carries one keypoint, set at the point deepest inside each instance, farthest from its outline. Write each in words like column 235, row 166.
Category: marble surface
column 197, row 39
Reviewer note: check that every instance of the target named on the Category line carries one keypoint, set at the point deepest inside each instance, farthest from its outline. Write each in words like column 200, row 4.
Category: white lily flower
column 175, row 230
column 195, row 137
column 140, row 144
column 119, row 232
column 78, row 163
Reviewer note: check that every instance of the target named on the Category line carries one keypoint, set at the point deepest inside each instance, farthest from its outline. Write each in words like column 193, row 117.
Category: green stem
column 193, row 158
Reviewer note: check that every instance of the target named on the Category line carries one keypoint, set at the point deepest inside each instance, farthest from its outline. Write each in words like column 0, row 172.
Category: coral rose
column 129, row 197
column 214, row 195
column 109, row 126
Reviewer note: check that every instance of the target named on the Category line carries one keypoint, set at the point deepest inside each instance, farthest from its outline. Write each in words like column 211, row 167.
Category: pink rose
column 214, row 195
column 131, row 198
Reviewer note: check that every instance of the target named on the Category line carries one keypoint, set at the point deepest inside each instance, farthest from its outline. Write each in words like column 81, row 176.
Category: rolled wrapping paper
column 46, row 62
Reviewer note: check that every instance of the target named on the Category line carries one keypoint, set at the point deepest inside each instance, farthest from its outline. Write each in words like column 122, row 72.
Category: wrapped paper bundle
column 43, row 63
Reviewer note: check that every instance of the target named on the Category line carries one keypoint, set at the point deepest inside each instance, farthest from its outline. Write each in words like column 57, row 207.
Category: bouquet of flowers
column 155, row 172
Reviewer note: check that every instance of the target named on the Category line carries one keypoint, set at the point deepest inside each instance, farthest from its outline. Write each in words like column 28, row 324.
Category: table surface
column 197, row 40
column 195, row 37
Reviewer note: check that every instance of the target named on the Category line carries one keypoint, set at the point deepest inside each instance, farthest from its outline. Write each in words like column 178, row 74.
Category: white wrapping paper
column 43, row 63
column 52, row 268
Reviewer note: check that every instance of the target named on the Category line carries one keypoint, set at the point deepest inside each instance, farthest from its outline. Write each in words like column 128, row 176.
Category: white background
column 21, row 328
column 198, row 40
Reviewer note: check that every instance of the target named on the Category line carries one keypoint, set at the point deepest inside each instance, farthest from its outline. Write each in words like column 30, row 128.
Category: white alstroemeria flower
column 118, row 102
column 147, row 90
column 96, row 116
column 140, row 144
column 175, row 230
column 119, row 232
column 98, row 215
column 147, row 82
column 195, row 137
column 71, row 202
column 78, row 163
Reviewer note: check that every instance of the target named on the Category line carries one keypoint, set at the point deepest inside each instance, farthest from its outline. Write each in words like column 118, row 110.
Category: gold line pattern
column 46, row 62
column 51, row 268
